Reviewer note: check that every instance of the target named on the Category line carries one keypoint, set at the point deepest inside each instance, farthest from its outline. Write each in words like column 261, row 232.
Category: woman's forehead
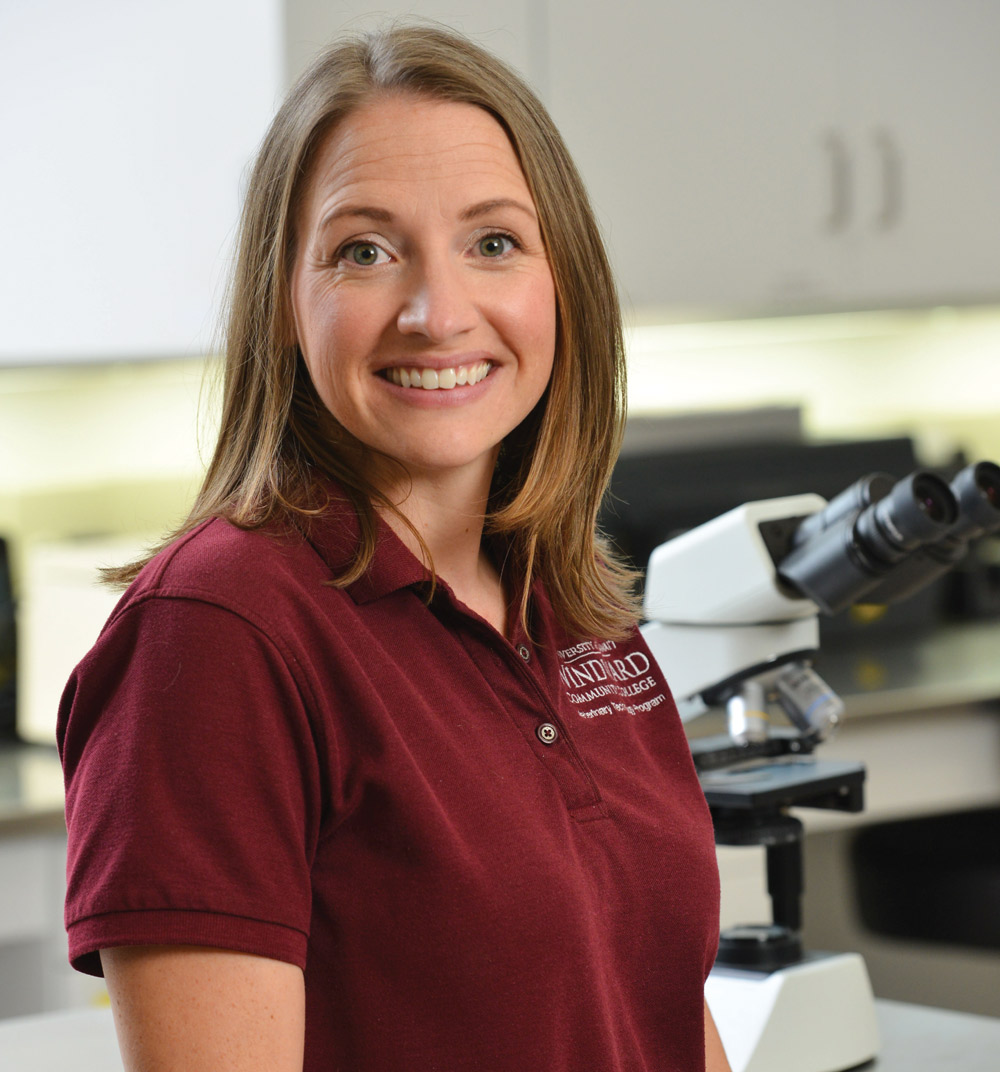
column 394, row 145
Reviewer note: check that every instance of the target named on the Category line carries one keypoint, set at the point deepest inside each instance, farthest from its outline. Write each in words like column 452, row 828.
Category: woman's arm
column 715, row 1055
column 205, row 1010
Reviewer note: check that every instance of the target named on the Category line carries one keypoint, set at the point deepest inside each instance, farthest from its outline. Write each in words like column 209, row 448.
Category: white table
column 81, row 1039
column 914, row 1039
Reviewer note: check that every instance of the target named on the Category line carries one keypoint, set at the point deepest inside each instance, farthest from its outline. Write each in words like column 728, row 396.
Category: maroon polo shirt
column 485, row 854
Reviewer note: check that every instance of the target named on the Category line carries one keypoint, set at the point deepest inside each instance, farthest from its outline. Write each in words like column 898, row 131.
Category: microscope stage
column 774, row 784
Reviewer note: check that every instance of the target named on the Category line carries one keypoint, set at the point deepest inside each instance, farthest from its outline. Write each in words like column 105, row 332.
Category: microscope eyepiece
column 839, row 564
column 921, row 507
column 864, row 492
column 976, row 491
column 937, row 505
column 977, row 488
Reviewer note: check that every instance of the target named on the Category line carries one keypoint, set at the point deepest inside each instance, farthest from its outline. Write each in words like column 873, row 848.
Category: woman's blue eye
column 364, row 253
column 494, row 245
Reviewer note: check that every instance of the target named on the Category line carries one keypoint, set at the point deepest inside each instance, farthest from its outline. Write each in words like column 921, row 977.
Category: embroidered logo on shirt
column 601, row 679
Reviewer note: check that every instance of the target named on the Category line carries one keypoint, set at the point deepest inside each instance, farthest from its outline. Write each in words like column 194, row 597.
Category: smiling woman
column 279, row 438
column 333, row 797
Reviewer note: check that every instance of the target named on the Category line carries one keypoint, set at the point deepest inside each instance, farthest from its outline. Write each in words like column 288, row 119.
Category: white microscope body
column 732, row 618
column 715, row 607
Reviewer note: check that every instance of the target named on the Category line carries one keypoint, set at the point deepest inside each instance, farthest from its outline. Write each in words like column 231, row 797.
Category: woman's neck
column 448, row 511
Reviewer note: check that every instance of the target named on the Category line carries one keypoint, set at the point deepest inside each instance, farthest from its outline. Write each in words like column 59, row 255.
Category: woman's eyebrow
column 472, row 212
column 367, row 212
column 484, row 208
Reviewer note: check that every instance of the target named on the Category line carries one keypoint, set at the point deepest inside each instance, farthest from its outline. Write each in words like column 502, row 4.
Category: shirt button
column 522, row 650
column 547, row 733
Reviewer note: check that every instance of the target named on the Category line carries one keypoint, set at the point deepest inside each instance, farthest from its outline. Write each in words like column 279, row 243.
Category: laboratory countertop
column 918, row 1038
column 951, row 665
column 914, row 1039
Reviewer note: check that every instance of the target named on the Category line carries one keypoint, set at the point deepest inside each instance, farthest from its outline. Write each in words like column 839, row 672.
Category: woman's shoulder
column 220, row 562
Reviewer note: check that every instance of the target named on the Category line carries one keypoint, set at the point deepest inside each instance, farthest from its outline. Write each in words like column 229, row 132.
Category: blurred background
column 800, row 199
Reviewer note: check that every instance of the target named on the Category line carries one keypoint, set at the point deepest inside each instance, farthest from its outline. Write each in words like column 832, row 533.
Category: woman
column 370, row 768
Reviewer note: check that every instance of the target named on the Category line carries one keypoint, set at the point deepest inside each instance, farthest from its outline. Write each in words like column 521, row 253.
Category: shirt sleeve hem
column 181, row 927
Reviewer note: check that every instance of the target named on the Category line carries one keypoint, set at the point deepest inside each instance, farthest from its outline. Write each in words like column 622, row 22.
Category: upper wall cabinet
column 742, row 157
column 921, row 134
column 696, row 127
column 781, row 155
column 126, row 128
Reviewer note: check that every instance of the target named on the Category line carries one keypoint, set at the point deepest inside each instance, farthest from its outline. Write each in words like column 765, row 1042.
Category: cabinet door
column 923, row 93
column 701, row 130
column 125, row 130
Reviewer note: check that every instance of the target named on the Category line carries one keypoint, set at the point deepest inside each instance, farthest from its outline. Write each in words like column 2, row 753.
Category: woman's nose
column 439, row 303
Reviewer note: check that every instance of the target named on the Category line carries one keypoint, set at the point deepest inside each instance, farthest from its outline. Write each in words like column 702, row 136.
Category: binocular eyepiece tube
column 977, row 490
column 883, row 539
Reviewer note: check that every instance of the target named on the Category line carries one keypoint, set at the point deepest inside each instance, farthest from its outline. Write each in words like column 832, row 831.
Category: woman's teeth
column 433, row 379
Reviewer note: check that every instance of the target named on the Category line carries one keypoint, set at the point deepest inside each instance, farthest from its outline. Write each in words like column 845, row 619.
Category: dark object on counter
column 8, row 652
column 935, row 879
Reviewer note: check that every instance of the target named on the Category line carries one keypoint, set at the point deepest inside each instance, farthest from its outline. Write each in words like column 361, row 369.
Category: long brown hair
column 277, row 439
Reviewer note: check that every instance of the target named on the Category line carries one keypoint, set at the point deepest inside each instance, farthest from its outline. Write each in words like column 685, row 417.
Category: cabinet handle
column 891, row 165
column 840, row 182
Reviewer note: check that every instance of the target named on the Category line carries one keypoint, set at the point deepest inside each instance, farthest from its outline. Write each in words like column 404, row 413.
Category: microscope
column 732, row 616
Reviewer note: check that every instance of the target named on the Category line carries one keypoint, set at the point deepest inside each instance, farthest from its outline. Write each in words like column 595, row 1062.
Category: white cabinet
column 696, row 129
column 921, row 122
column 742, row 157
column 786, row 155
column 125, row 129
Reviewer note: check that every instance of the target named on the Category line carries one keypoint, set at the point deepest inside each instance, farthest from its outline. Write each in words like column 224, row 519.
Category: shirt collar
column 335, row 534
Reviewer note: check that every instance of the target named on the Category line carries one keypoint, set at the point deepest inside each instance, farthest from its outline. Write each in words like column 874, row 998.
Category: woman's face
column 423, row 300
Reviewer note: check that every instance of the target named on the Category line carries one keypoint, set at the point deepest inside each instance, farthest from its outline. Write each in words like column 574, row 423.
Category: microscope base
column 814, row 1016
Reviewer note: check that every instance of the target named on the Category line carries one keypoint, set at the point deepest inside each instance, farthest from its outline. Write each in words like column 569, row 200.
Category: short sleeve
column 193, row 787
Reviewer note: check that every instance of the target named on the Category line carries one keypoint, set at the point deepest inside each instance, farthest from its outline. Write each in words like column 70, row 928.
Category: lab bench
column 913, row 1039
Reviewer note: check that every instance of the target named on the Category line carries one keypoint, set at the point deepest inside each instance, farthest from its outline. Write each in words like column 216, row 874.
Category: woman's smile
column 445, row 379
